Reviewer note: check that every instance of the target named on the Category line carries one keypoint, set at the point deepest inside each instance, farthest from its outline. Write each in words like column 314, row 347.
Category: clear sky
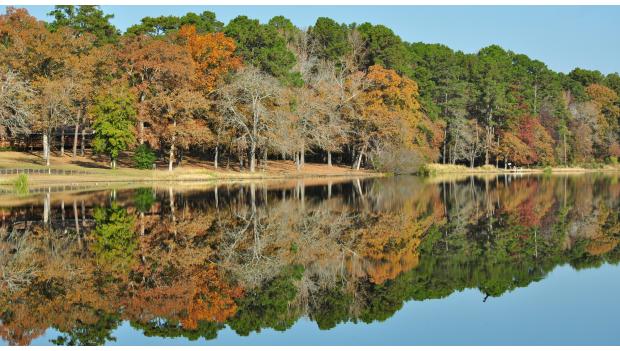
column 564, row 37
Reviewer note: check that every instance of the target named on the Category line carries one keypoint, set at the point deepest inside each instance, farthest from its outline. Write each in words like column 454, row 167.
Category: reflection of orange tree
column 530, row 199
column 212, row 299
column 61, row 290
column 389, row 240
column 195, row 294
column 171, row 280
column 606, row 234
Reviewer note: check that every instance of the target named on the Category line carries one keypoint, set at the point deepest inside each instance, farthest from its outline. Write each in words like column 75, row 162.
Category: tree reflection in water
column 183, row 263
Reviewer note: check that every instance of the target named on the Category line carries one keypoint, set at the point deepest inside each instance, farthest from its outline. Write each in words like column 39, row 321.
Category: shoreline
column 85, row 170
column 440, row 169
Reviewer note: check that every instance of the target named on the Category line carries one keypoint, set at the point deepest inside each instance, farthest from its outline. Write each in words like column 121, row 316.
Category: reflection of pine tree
column 268, row 306
column 115, row 240
column 84, row 334
column 171, row 329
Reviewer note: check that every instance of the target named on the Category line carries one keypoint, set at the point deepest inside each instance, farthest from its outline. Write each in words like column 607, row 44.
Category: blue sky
column 564, row 37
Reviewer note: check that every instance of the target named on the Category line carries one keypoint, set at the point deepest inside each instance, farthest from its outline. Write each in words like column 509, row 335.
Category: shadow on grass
column 89, row 164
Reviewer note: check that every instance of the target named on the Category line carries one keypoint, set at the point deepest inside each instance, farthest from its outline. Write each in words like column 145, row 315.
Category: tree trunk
column 171, row 156
column 297, row 162
column 565, row 163
column 302, row 154
column 46, row 149
column 253, row 157
column 359, row 159
column 62, row 141
column 76, row 138
column 445, row 138
column 83, row 142
column 486, row 148
column 329, row 158
column 141, row 132
column 141, row 123
column 216, row 154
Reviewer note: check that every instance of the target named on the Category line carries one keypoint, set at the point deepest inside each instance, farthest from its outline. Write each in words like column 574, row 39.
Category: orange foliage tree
column 387, row 111
column 213, row 55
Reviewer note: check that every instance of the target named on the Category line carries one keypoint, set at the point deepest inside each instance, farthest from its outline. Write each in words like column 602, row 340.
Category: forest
column 188, row 263
column 246, row 92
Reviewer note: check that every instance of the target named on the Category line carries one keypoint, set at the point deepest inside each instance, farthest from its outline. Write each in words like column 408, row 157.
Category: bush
column 396, row 160
column 612, row 160
column 426, row 171
column 21, row 184
column 547, row 170
column 144, row 157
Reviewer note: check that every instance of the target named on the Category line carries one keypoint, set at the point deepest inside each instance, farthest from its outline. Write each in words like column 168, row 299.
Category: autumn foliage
column 213, row 55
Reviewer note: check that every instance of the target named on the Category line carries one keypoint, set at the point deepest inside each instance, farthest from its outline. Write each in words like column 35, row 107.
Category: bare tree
column 245, row 102
column 469, row 144
column 55, row 105
column 15, row 104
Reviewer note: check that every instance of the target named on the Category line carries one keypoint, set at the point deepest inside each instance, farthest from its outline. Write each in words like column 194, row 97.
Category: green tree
column 586, row 77
column 206, row 22
column 85, row 19
column 144, row 157
column 262, row 46
column 385, row 48
column 330, row 38
column 114, row 117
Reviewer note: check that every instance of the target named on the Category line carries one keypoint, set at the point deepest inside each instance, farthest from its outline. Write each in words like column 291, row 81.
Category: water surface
column 500, row 260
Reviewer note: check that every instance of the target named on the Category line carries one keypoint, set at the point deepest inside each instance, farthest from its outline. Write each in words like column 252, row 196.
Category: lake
column 494, row 260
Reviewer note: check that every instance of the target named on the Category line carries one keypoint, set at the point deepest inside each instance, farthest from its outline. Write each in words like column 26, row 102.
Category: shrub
column 612, row 160
column 426, row 171
column 396, row 160
column 547, row 170
column 21, row 184
column 144, row 157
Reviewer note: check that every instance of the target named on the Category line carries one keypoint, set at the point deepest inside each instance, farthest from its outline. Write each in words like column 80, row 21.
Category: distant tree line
column 246, row 92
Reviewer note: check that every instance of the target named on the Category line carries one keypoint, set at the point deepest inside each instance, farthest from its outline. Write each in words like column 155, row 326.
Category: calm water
column 405, row 261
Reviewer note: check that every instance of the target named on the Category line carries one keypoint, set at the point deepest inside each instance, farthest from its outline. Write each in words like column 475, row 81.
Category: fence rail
column 42, row 171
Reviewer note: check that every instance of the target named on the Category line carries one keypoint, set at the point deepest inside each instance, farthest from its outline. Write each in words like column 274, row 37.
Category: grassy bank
column 97, row 171
column 439, row 169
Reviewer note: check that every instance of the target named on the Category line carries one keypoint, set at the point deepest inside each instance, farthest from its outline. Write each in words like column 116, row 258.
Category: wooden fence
column 42, row 171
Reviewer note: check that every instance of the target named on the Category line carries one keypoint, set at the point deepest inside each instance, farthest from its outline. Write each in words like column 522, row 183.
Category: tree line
column 246, row 92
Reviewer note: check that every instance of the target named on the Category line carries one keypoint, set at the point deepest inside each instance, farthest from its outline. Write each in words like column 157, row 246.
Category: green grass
column 21, row 185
